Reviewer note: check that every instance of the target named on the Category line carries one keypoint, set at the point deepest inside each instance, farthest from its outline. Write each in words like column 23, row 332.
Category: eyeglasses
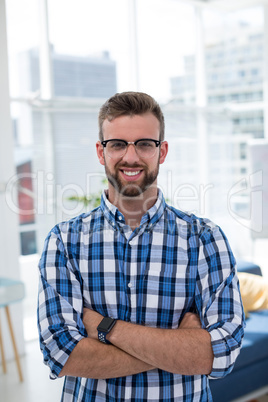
column 145, row 147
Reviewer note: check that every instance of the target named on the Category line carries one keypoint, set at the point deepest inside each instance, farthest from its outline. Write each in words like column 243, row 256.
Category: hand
column 91, row 320
column 190, row 320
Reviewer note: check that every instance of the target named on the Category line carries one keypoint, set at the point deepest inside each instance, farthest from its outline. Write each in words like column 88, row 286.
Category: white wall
column 9, row 235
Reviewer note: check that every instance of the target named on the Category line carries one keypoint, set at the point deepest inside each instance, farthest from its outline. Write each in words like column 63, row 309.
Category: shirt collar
column 115, row 217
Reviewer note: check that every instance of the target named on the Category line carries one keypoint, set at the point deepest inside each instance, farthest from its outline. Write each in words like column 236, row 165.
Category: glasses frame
column 157, row 143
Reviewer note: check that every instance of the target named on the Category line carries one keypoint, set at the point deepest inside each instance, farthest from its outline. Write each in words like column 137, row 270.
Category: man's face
column 131, row 175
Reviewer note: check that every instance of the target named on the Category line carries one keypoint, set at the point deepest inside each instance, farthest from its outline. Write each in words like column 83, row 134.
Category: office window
column 23, row 34
column 96, row 50
column 162, row 29
column 91, row 50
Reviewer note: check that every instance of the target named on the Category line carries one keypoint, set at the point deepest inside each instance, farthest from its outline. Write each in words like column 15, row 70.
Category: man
column 138, row 301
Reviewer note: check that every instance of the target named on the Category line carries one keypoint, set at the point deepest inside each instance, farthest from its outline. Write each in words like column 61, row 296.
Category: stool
column 11, row 291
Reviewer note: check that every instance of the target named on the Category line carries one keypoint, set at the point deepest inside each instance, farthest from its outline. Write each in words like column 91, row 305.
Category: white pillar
column 9, row 233
column 201, row 102
column 200, row 67
column 133, row 48
column 45, row 164
column 265, row 70
column 46, row 79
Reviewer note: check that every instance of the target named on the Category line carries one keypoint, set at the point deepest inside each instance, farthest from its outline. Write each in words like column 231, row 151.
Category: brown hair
column 130, row 104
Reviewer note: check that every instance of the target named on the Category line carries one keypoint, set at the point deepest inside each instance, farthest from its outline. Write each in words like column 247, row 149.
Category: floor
column 37, row 387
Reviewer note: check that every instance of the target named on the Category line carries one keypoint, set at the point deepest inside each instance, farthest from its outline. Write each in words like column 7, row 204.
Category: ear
column 100, row 153
column 163, row 152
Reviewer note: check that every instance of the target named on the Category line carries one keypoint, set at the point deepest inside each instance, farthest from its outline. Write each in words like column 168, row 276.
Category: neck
column 133, row 208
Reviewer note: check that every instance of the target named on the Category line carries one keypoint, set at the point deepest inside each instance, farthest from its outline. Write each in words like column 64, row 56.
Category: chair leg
column 14, row 343
column 2, row 349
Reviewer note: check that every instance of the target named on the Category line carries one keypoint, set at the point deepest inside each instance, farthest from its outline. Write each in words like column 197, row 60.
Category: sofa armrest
column 249, row 267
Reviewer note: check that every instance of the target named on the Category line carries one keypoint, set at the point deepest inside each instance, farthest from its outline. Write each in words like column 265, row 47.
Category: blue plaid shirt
column 171, row 264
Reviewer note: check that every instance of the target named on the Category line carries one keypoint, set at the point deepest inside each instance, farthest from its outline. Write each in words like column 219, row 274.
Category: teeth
column 131, row 173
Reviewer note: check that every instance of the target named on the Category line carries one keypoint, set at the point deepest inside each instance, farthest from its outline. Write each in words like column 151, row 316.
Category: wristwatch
column 105, row 326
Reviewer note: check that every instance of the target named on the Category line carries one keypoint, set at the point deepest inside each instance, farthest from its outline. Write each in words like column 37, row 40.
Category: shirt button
column 130, row 285
column 120, row 218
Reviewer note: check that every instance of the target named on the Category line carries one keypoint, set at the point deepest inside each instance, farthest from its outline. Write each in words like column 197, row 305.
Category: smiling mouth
column 131, row 173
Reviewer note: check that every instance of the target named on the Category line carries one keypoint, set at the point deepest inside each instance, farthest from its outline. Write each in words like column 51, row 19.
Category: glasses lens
column 146, row 148
column 116, row 148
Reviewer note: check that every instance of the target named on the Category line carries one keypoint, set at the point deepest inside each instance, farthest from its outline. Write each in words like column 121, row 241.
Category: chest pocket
column 167, row 295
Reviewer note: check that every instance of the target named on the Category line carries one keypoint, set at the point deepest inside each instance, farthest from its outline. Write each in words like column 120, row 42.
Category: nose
column 131, row 154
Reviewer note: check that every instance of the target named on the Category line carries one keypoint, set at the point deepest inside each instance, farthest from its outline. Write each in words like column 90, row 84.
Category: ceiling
column 225, row 5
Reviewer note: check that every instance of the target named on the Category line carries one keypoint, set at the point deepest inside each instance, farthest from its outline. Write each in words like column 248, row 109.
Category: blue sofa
column 251, row 369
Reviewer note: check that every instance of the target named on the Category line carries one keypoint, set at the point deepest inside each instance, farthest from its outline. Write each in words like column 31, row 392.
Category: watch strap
column 102, row 337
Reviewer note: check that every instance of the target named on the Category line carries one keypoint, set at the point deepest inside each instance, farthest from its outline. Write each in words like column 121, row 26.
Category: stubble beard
column 131, row 189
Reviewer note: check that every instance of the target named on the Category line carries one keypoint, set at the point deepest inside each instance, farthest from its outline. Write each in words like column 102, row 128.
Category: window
column 243, row 151
column 94, row 54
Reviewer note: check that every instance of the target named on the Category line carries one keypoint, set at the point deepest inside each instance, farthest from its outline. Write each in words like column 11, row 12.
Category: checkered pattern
column 173, row 263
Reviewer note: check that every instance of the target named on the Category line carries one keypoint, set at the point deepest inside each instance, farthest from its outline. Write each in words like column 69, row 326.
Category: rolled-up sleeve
column 60, row 304
column 218, row 300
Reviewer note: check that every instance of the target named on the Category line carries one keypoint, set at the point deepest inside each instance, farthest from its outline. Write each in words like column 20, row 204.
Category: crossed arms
column 136, row 348
column 70, row 345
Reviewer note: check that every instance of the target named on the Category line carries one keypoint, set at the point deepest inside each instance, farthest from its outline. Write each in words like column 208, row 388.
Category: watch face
column 106, row 324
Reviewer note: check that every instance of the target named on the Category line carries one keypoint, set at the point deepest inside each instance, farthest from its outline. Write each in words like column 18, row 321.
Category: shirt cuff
column 225, row 349
column 59, row 357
